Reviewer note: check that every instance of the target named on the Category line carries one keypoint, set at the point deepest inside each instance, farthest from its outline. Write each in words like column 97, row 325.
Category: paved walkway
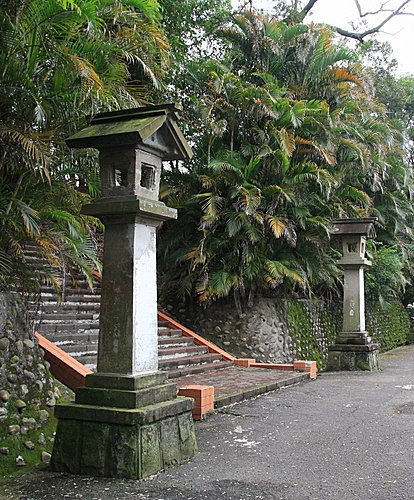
column 234, row 384
column 343, row 436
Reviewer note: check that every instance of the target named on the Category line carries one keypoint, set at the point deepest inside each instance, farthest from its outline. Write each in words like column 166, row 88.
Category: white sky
column 399, row 31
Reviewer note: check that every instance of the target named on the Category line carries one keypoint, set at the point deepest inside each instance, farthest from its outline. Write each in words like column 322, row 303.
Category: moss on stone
column 314, row 326
column 389, row 324
column 16, row 447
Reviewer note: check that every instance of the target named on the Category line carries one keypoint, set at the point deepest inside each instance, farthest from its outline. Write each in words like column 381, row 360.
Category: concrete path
column 344, row 436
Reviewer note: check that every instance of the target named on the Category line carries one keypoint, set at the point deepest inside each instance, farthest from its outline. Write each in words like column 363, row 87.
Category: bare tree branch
column 308, row 7
column 360, row 35
column 373, row 13
column 363, row 34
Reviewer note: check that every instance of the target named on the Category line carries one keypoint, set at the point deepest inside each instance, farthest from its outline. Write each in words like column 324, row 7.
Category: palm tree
column 59, row 61
column 287, row 136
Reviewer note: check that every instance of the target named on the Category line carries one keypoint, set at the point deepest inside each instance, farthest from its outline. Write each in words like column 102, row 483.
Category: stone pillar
column 353, row 348
column 128, row 421
column 354, row 299
column 128, row 342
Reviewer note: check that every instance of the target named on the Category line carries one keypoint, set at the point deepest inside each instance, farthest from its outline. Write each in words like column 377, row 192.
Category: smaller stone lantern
column 353, row 348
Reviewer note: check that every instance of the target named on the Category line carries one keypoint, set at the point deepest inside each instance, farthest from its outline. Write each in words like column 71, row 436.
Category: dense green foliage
column 384, row 279
column 288, row 134
column 290, row 129
column 190, row 27
column 59, row 61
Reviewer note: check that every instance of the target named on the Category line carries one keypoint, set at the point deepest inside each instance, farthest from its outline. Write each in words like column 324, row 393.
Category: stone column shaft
column 128, row 340
column 354, row 301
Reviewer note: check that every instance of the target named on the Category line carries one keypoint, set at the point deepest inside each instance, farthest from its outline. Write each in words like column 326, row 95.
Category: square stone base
column 121, row 442
column 124, row 426
column 352, row 357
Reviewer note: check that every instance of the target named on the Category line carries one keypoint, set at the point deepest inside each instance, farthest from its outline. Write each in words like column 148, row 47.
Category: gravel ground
column 343, row 436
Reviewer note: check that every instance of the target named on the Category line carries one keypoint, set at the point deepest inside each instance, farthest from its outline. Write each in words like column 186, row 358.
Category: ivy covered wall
column 314, row 325
column 389, row 325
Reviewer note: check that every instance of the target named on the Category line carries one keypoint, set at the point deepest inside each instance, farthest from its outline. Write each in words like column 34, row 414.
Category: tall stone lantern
column 353, row 348
column 128, row 421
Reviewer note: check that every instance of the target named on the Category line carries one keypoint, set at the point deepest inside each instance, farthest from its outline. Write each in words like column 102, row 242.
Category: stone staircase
column 73, row 325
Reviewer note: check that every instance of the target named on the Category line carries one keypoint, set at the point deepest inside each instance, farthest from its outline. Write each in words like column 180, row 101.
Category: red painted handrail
column 63, row 366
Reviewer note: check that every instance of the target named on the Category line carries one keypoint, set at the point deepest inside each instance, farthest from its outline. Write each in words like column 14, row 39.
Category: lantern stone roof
column 153, row 127
column 358, row 227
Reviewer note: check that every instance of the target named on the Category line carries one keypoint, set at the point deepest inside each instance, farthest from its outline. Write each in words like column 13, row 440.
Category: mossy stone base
column 352, row 357
column 123, row 443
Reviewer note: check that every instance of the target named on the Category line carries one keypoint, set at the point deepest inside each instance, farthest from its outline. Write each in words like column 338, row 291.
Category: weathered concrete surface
column 346, row 436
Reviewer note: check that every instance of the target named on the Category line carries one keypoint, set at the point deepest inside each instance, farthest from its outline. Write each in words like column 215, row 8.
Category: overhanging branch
column 308, row 7
column 373, row 13
column 361, row 35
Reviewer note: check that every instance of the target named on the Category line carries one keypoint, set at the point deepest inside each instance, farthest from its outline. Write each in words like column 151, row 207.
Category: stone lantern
column 353, row 349
column 127, row 421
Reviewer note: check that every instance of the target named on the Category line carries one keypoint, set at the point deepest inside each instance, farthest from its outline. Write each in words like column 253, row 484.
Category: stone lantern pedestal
column 128, row 421
column 353, row 348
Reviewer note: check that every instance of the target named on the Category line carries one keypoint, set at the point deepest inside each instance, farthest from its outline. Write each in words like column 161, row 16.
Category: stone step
column 72, row 349
column 174, row 341
column 86, row 359
column 169, row 332
column 69, row 317
column 53, row 331
column 82, row 338
column 77, row 336
column 166, row 364
column 79, row 298
column 64, row 308
column 78, row 331
column 52, row 324
column 181, row 352
column 193, row 369
column 89, row 343
column 76, row 291
column 77, row 280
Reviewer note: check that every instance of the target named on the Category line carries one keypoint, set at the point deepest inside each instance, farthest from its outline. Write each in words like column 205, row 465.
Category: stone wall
column 27, row 390
column 279, row 331
column 389, row 324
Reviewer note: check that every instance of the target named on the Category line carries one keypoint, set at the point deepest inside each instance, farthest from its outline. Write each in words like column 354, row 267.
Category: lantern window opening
column 120, row 177
column 147, row 176
column 353, row 247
